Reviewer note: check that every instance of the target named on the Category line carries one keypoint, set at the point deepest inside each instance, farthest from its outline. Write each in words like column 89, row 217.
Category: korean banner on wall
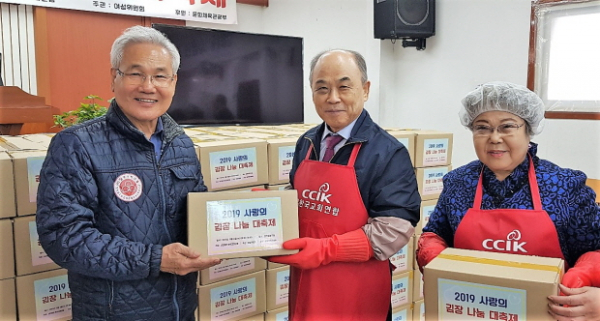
column 215, row 11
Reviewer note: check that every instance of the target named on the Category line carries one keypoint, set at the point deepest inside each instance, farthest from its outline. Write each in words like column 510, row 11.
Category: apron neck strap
column 353, row 155
column 307, row 157
column 533, row 187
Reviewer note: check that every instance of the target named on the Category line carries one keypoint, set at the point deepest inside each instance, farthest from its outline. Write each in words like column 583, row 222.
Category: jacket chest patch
column 128, row 187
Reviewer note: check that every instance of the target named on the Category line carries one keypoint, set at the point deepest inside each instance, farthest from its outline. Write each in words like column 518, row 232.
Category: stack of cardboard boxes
column 234, row 160
column 32, row 286
column 431, row 155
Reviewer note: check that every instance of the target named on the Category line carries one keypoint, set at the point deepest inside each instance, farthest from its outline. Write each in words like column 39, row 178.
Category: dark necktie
column 330, row 143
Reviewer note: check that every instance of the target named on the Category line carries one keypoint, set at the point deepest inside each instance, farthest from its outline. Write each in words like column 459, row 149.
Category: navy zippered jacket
column 110, row 241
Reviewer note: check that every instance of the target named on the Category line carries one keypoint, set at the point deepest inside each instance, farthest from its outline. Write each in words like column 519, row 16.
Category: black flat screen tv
column 228, row 77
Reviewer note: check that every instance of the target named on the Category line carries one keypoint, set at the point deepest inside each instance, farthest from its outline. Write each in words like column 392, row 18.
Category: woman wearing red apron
column 355, row 210
column 513, row 202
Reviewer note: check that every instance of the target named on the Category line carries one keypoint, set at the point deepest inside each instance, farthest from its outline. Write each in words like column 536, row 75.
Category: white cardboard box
column 7, row 187
column 229, row 268
column 7, row 252
column 429, row 181
column 233, row 163
column 234, row 298
column 281, row 154
column 278, row 284
column 30, row 257
column 403, row 259
column 242, row 224
column 44, row 296
column 401, row 289
column 433, row 148
column 26, row 167
column 486, row 285
column 427, row 208
column 8, row 300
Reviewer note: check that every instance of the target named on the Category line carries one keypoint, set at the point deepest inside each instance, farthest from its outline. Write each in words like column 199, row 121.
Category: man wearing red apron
column 355, row 209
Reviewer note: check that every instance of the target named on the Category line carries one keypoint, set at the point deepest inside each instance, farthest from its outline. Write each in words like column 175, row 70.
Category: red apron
column 513, row 231
column 330, row 203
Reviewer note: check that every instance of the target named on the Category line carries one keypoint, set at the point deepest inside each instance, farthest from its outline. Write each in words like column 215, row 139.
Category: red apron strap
column 533, row 185
column 355, row 150
column 479, row 191
column 307, row 157
column 352, row 159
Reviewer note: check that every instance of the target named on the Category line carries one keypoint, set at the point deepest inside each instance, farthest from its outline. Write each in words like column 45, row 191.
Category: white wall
column 476, row 41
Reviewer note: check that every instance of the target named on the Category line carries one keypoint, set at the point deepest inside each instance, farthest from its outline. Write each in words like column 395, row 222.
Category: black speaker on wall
column 410, row 20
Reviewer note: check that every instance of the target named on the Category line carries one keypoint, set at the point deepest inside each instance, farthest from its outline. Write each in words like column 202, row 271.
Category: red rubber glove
column 428, row 247
column 585, row 272
column 348, row 247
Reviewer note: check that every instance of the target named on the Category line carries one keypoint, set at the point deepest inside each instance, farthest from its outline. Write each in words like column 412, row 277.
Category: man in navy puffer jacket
column 112, row 195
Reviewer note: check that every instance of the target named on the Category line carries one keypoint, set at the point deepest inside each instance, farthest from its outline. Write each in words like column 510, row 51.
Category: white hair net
column 503, row 96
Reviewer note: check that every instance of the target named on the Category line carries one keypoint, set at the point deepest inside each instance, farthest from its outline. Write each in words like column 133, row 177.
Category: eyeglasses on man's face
column 136, row 78
column 507, row 129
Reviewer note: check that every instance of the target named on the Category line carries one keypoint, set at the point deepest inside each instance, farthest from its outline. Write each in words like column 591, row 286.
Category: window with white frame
column 567, row 51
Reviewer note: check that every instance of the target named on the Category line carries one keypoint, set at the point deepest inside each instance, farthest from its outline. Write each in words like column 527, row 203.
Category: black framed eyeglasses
column 504, row 129
column 136, row 78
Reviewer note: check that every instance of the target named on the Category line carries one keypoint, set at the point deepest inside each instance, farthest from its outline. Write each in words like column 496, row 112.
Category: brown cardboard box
column 280, row 187
column 7, row 187
column 427, row 208
column 199, row 138
column 402, row 313
column 419, row 311
column 242, row 224
column 26, row 167
column 416, row 246
column 487, row 284
column 272, row 265
column 280, row 314
column 417, row 285
column 278, row 283
column 281, row 153
column 433, row 148
column 233, row 163
column 231, row 268
column 402, row 289
column 258, row 317
column 233, row 299
column 8, row 300
column 43, row 139
column 20, row 143
column 44, row 296
column 30, row 257
column 429, row 181
column 7, row 251
column 403, row 259
column 243, row 189
column 407, row 138
column 6, row 145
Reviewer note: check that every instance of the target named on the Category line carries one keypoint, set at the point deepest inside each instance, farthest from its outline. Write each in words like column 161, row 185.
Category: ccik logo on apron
column 511, row 244
column 318, row 200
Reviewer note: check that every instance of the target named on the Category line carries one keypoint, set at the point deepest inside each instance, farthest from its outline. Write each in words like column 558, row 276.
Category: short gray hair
column 358, row 58
column 141, row 34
